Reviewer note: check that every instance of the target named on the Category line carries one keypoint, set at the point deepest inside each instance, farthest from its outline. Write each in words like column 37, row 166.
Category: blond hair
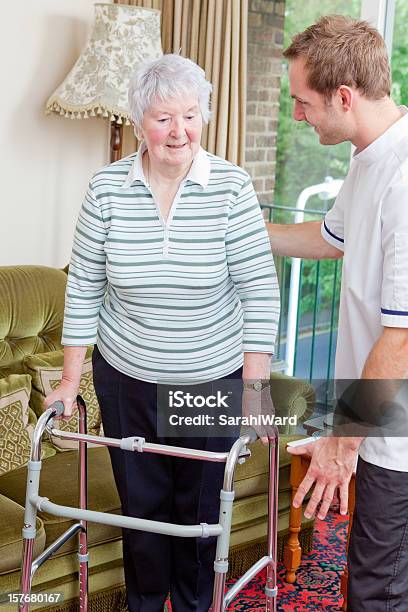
column 338, row 51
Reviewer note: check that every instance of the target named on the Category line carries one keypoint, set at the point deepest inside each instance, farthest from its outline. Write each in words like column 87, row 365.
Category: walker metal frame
column 238, row 453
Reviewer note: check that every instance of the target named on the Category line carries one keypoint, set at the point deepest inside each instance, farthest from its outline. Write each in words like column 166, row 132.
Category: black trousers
column 160, row 488
column 378, row 552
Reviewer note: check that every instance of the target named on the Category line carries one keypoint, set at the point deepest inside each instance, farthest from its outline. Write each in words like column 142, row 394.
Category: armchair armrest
column 292, row 397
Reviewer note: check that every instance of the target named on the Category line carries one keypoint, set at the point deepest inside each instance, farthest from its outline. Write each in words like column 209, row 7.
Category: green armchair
column 31, row 312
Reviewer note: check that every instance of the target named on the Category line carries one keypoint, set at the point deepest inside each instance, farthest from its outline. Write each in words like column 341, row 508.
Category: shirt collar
column 136, row 169
column 199, row 171
column 387, row 141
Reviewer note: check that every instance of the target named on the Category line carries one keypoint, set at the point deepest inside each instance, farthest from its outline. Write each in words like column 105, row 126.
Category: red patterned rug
column 317, row 586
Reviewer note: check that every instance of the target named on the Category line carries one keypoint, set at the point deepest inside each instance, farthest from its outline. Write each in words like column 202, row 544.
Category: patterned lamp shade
column 122, row 36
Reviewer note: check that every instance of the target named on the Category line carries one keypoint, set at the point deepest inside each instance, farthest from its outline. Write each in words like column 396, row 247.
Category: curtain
column 212, row 33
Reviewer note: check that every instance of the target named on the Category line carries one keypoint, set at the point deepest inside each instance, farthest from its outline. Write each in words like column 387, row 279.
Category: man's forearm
column 375, row 395
column 386, row 368
column 388, row 359
column 301, row 240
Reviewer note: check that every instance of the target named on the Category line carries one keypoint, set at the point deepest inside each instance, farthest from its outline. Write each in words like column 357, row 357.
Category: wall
column 265, row 44
column 46, row 160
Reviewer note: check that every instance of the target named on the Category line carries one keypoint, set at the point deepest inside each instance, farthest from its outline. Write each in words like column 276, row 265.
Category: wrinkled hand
column 259, row 403
column 65, row 393
column 333, row 461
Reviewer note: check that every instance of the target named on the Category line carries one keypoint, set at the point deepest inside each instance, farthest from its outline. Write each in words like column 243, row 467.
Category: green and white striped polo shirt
column 177, row 301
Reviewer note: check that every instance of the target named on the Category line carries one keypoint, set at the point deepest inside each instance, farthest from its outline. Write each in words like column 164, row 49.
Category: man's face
column 327, row 118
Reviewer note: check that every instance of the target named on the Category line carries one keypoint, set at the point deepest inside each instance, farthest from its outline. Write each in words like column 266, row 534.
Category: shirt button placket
column 166, row 241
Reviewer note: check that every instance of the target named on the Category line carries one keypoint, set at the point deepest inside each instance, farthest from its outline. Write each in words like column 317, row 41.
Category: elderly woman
column 173, row 280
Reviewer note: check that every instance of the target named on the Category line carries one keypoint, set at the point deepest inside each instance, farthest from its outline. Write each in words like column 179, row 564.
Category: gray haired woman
column 173, row 280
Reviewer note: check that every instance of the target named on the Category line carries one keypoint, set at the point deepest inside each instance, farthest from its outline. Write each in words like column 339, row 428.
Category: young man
column 340, row 82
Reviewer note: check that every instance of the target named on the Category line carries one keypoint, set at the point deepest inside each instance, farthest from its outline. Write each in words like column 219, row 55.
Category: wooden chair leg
column 344, row 576
column 292, row 552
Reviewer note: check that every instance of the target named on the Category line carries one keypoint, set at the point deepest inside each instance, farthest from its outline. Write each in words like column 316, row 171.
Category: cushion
column 11, row 539
column 46, row 372
column 16, row 422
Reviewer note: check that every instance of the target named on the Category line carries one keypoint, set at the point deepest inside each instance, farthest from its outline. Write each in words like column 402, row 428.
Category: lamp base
column 116, row 140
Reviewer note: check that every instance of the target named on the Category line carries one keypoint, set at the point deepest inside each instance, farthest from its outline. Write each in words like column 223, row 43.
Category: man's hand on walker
column 65, row 393
column 333, row 461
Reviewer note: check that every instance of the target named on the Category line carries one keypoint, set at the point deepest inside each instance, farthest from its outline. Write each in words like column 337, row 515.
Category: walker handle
column 58, row 407
column 248, row 431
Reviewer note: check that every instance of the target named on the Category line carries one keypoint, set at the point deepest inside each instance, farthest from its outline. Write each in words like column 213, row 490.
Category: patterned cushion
column 16, row 423
column 46, row 373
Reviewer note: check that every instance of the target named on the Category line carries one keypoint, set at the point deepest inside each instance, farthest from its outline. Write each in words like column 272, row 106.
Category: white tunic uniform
column 369, row 222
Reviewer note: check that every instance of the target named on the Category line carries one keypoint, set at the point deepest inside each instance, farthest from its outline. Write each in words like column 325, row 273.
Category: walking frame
column 238, row 454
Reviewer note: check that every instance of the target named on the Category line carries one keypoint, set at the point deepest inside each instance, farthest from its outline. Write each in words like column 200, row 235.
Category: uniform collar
column 387, row 141
column 199, row 172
